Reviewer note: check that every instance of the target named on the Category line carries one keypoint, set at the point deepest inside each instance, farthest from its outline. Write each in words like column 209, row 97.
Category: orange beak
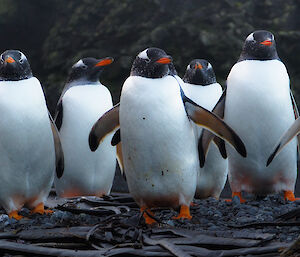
column 164, row 60
column 198, row 66
column 10, row 60
column 104, row 62
column 266, row 43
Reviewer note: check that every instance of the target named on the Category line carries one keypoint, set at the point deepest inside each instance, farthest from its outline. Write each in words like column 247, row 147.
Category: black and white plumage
column 258, row 107
column 158, row 142
column 201, row 86
column 83, row 100
column 28, row 139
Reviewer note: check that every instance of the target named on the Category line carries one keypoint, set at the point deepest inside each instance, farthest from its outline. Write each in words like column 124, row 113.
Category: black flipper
column 116, row 139
column 289, row 134
column 107, row 123
column 58, row 117
column 212, row 122
column 59, row 154
column 220, row 143
column 206, row 136
column 296, row 113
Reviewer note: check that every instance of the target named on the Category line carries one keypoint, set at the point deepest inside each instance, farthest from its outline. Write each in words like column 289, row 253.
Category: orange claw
column 289, row 195
column 15, row 215
column 239, row 195
column 148, row 219
column 184, row 213
column 40, row 209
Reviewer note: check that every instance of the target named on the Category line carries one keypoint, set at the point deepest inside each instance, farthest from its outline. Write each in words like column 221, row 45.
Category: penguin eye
column 147, row 60
column 21, row 61
column 84, row 67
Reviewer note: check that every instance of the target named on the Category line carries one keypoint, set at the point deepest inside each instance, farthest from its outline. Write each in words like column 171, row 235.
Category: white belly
column 260, row 113
column 212, row 177
column 86, row 172
column 26, row 145
column 158, row 143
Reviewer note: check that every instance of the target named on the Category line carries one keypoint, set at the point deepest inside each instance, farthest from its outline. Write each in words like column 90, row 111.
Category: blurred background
column 55, row 34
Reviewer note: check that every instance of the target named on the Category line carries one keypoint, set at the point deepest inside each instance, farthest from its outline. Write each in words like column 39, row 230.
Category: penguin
column 30, row 149
column 201, row 86
column 82, row 101
column 258, row 105
column 158, row 142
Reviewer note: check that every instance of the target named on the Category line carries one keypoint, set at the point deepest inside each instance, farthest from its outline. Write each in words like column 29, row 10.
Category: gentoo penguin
column 258, row 105
column 158, row 143
column 201, row 86
column 28, row 135
column 83, row 100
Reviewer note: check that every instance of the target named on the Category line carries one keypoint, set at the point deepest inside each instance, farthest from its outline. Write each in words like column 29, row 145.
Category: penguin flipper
column 220, row 143
column 116, row 141
column 296, row 113
column 212, row 122
column 58, row 117
column 295, row 108
column 120, row 159
column 207, row 136
column 285, row 139
column 59, row 154
column 107, row 123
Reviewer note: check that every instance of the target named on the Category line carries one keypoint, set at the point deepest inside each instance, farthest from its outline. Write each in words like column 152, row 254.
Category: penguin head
column 259, row 45
column 14, row 66
column 88, row 70
column 199, row 72
column 151, row 63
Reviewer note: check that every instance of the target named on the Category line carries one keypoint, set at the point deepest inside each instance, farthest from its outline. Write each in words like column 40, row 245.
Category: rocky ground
column 113, row 226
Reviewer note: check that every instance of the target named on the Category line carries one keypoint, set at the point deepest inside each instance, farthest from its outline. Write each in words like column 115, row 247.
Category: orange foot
column 147, row 218
column 239, row 195
column 184, row 213
column 15, row 215
column 289, row 195
column 41, row 209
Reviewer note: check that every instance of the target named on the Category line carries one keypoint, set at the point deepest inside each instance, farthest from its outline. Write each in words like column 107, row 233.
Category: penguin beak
column 164, row 60
column 198, row 66
column 104, row 62
column 266, row 43
column 9, row 60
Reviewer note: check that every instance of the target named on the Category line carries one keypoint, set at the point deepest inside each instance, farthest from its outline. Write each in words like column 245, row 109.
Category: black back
column 14, row 66
column 147, row 64
column 199, row 72
column 259, row 45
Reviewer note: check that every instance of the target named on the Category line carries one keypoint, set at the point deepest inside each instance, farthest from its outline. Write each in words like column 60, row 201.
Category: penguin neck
column 17, row 77
column 246, row 56
column 81, row 82
column 77, row 83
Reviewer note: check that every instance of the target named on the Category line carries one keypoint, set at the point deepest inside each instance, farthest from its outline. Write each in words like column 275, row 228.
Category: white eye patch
column 23, row 57
column 79, row 64
column 143, row 55
column 209, row 66
column 250, row 37
column 188, row 67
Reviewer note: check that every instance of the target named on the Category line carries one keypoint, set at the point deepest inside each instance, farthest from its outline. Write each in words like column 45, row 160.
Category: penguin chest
column 26, row 142
column 212, row 177
column 258, row 107
column 82, row 106
column 158, row 144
